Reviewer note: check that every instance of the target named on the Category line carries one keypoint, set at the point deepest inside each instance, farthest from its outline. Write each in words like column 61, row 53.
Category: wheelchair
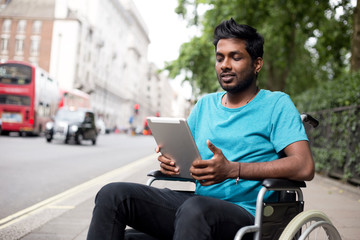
column 284, row 219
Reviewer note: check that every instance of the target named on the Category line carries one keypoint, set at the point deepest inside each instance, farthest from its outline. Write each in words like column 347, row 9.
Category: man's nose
column 226, row 64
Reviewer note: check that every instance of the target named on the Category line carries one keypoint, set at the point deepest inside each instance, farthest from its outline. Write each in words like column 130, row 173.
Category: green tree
column 306, row 42
column 355, row 50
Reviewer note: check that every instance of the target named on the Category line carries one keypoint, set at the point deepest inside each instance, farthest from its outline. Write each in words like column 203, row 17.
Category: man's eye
column 237, row 58
column 219, row 59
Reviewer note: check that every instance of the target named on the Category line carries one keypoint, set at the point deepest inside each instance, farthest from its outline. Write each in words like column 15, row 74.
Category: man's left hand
column 214, row 170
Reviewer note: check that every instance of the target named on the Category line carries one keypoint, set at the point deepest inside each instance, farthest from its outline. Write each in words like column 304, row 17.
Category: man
column 244, row 134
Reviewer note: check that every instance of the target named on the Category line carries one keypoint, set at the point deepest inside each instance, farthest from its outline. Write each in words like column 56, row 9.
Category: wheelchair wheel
column 311, row 224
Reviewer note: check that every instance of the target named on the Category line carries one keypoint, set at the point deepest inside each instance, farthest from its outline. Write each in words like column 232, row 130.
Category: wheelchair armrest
column 158, row 175
column 283, row 184
column 307, row 118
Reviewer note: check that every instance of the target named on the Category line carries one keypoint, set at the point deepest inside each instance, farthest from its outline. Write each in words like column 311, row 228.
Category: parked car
column 77, row 124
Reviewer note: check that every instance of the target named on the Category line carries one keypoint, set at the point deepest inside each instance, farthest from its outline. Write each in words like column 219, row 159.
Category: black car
column 77, row 124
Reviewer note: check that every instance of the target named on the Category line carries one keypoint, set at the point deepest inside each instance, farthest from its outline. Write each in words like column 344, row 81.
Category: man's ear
column 258, row 63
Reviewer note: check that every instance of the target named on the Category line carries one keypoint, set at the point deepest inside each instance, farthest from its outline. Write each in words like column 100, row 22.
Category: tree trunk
column 355, row 49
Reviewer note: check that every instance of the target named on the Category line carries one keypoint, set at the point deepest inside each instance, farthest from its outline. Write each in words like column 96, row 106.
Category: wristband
column 238, row 178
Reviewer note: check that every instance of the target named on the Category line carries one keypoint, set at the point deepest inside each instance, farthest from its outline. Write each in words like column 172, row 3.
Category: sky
column 167, row 31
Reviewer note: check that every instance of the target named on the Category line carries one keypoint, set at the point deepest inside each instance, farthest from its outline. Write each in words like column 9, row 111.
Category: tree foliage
column 306, row 42
column 335, row 143
column 355, row 50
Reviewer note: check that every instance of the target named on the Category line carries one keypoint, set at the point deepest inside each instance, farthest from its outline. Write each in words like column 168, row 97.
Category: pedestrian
column 244, row 134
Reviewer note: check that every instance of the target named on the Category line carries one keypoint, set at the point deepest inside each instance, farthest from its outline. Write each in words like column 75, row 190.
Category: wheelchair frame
column 294, row 227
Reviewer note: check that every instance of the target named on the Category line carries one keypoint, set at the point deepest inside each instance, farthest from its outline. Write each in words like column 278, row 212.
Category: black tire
column 79, row 139
column 5, row 133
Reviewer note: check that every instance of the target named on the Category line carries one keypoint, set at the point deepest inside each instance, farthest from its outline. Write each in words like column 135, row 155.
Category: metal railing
column 335, row 143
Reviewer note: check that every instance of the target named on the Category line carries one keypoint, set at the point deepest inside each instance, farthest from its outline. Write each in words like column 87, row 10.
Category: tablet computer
column 176, row 141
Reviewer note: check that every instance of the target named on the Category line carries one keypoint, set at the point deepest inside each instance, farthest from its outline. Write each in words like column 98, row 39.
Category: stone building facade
column 97, row 46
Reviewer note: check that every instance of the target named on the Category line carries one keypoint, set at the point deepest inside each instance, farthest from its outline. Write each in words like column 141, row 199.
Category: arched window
column 36, row 28
column 6, row 25
column 21, row 26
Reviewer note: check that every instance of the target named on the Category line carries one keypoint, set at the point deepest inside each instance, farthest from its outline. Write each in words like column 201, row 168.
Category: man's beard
column 240, row 86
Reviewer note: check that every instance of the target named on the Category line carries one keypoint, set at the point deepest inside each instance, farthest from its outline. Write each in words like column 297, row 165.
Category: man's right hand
column 167, row 165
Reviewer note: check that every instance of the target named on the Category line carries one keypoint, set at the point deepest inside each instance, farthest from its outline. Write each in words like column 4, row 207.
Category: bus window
column 14, row 100
column 41, row 109
column 15, row 74
column 47, row 110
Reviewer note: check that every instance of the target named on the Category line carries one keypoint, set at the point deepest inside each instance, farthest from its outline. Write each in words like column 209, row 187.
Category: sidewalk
column 67, row 215
column 340, row 202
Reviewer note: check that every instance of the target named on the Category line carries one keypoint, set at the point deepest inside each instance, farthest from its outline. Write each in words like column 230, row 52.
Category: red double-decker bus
column 28, row 98
column 74, row 98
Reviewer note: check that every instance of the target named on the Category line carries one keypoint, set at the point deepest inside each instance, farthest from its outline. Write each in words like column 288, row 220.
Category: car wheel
column 79, row 139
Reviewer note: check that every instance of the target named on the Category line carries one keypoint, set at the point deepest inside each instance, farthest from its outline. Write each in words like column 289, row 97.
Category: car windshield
column 70, row 116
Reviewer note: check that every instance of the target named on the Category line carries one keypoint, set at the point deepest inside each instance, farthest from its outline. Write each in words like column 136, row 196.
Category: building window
column 21, row 26
column 6, row 27
column 36, row 28
column 19, row 46
column 4, row 44
column 35, row 46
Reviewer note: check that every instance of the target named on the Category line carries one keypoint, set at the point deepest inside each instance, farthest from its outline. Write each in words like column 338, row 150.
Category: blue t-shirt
column 256, row 132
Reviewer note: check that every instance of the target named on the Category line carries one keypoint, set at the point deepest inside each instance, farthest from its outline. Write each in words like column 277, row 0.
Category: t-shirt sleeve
column 286, row 124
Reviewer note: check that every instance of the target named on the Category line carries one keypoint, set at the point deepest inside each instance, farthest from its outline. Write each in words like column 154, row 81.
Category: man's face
column 234, row 67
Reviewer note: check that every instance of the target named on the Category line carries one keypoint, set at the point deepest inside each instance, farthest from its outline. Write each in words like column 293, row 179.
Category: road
column 32, row 170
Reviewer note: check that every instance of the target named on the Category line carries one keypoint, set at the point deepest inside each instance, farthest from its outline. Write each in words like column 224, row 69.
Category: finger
column 213, row 148
column 169, row 167
column 205, row 181
column 168, row 164
column 164, row 159
column 201, row 163
column 157, row 149
column 201, row 173
column 201, row 177
column 167, row 172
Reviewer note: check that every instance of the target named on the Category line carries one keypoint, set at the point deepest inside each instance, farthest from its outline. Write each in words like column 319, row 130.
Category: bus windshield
column 70, row 116
column 16, row 74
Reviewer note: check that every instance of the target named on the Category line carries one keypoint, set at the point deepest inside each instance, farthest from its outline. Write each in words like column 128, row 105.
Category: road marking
column 16, row 217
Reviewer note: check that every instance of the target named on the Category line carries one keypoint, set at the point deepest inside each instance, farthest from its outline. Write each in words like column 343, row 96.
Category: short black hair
column 230, row 29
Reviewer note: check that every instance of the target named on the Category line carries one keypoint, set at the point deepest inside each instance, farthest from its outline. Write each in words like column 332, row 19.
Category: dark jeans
column 163, row 214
